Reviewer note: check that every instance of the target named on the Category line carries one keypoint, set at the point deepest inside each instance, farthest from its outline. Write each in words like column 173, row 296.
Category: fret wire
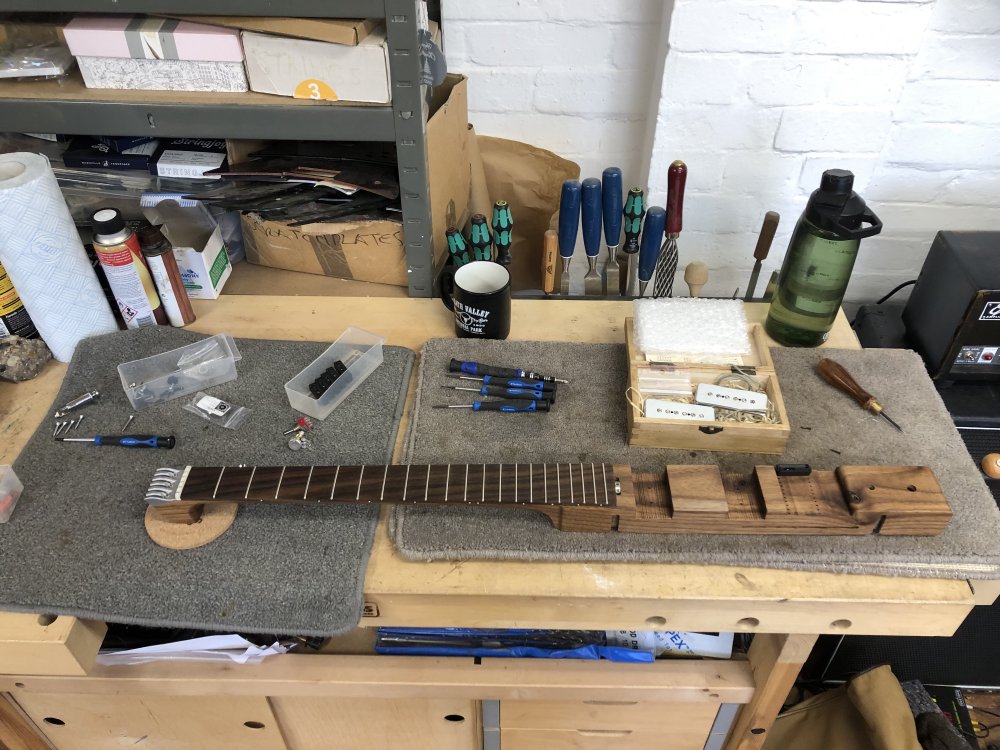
column 336, row 476
column 499, row 483
column 280, row 478
column 593, row 476
column 406, row 483
column 427, row 484
column 572, row 494
column 583, row 484
column 360, row 477
column 515, row 483
column 447, row 481
column 531, row 484
column 604, row 473
column 308, row 480
column 218, row 481
column 483, row 500
column 558, row 486
column 465, row 495
column 381, row 496
column 545, row 483
column 246, row 495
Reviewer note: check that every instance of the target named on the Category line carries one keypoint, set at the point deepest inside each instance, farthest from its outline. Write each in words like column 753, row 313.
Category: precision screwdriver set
column 516, row 390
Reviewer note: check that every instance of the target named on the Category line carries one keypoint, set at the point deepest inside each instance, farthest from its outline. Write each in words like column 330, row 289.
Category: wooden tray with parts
column 781, row 499
column 739, row 437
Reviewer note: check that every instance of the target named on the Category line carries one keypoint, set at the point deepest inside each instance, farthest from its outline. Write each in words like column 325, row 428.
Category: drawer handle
column 604, row 732
column 611, row 703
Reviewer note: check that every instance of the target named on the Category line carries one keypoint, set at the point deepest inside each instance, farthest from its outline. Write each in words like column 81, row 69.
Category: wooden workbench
column 543, row 704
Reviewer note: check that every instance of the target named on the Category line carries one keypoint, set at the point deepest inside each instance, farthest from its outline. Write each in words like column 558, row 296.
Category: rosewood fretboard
column 581, row 484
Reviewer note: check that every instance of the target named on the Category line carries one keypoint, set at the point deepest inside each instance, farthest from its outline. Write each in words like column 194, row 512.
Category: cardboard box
column 335, row 30
column 197, row 239
column 162, row 75
column 374, row 251
column 307, row 69
column 189, row 158
column 151, row 39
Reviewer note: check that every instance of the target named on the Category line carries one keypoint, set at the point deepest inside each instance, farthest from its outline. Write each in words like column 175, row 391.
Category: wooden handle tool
column 550, row 252
column 764, row 240
column 695, row 276
column 835, row 374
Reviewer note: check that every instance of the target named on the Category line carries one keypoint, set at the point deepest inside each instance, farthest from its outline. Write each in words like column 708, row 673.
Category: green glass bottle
column 819, row 261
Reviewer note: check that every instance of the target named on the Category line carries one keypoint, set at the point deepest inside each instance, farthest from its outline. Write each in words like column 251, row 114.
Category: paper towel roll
column 41, row 249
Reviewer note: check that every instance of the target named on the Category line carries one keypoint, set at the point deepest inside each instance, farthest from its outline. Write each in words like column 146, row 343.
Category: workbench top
column 554, row 594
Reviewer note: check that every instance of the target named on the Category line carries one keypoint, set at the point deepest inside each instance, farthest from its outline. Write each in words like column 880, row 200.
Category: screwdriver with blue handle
column 611, row 195
column 537, row 385
column 591, row 213
column 478, row 368
column 125, row 441
column 649, row 246
column 518, row 394
column 569, row 225
column 504, row 406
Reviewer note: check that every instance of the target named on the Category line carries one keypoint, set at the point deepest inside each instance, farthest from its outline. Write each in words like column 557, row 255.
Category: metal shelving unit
column 69, row 107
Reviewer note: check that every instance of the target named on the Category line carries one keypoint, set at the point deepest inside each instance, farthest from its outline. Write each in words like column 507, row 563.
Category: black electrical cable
column 905, row 284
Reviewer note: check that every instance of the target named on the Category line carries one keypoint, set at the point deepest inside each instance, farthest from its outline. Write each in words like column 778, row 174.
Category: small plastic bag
column 217, row 411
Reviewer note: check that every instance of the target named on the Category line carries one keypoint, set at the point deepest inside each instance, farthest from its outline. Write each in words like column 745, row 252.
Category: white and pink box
column 161, row 54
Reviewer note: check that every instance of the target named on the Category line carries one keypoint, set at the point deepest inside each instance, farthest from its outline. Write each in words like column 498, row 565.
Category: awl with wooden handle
column 764, row 240
column 666, row 265
column 611, row 195
column 649, row 246
column 835, row 374
column 569, row 225
column 695, row 276
column 591, row 220
column 550, row 252
column 635, row 209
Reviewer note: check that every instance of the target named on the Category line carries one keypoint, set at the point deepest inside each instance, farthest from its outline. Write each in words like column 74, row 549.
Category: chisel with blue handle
column 504, row 406
column 477, row 368
column 649, row 246
column 591, row 215
column 518, row 394
column 569, row 225
column 611, row 195
column 125, row 441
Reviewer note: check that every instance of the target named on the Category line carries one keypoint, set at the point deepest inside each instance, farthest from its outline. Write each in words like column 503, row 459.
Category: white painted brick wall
column 758, row 97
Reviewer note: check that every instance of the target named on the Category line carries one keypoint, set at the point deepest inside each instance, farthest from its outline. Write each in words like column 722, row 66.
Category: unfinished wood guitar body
column 688, row 499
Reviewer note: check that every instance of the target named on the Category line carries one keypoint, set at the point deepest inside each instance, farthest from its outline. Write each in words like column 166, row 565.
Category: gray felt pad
column 588, row 424
column 76, row 543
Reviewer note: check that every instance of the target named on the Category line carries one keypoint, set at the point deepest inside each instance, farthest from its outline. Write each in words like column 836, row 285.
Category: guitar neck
column 579, row 484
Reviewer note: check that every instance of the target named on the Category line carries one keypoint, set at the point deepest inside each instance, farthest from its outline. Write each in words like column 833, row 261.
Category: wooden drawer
column 608, row 739
column 636, row 716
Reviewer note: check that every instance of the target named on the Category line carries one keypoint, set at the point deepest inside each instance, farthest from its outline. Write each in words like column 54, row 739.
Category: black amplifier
column 953, row 315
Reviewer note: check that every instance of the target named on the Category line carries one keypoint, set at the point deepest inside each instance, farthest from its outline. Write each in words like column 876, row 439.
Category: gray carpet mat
column 76, row 543
column 588, row 424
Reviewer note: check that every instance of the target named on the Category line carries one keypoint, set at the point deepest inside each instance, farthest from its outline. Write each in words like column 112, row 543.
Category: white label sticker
column 730, row 398
column 212, row 405
column 656, row 408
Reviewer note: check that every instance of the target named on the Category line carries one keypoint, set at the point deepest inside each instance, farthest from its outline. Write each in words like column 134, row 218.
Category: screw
column 56, row 430
column 78, row 421
column 128, row 422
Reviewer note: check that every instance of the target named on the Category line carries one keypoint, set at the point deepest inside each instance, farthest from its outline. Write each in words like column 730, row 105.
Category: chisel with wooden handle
column 635, row 209
column 649, row 246
column 550, row 251
column 569, row 225
column 591, row 219
column 764, row 240
column 666, row 265
column 611, row 195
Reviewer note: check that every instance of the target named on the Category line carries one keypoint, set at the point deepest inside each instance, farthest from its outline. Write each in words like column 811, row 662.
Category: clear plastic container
column 10, row 490
column 359, row 350
column 179, row 372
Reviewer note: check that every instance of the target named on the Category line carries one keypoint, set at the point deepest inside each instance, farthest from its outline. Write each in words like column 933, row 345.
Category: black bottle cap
column 838, row 181
column 107, row 221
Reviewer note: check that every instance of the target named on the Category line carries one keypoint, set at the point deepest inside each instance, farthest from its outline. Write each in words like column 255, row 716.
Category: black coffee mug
column 479, row 295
